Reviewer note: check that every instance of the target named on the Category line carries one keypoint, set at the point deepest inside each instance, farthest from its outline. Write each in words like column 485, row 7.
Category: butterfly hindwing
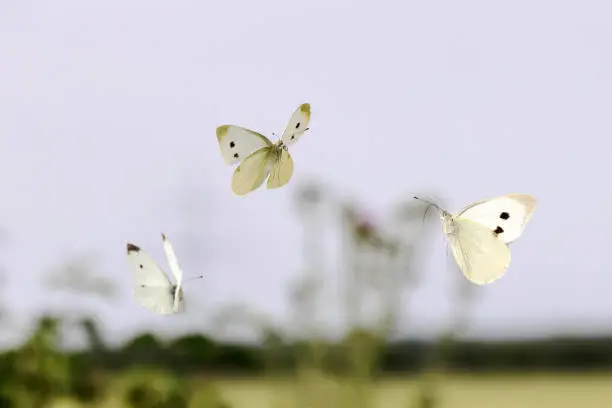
column 156, row 298
column 146, row 270
column 480, row 254
column 281, row 170
column 252, row 172
column 298, row 123
column 237, row 143
column 506, row 215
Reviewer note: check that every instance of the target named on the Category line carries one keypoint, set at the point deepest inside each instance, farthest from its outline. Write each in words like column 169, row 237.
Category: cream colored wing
column 506, row 215
column 237, row 143
column 281, row 170
column 252, row 172
column 152, row 288
column 297, row 125
column 157, row 299
column 481, row 255
column 179, row 301
column 174, row 265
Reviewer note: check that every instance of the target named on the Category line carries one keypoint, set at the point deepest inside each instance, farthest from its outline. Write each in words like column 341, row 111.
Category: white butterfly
column 480, row 233
column 258, row 156
column 152, row 287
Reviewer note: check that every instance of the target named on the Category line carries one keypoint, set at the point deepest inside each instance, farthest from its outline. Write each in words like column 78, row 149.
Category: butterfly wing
column 252, row 172
column 172, row 261
column 178, row 304
column 237, row 143
column 507, row 215
column 480, row 254
column 297, row 125
column 281, row 170
column 152, row 288
column 157, row 299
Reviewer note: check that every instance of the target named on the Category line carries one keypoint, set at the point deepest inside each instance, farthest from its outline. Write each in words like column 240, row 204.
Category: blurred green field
column 546, row 390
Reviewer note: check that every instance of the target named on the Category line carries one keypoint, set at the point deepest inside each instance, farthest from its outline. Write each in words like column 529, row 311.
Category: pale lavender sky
column 108, row 112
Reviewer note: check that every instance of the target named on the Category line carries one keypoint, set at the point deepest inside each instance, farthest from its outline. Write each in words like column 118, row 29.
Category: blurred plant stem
column 383, row 266
column 305, row 298
column 379, row 271
column 434, row 374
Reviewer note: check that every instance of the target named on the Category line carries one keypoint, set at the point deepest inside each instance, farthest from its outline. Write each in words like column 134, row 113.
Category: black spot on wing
column 236, row 155
column 297, row 126
column 132, row 248
column 292, row 137
column 232, row 145
column 498, row 230
column 504, row 215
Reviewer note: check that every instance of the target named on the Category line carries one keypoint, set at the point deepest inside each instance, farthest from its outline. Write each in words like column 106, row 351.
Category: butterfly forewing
column 298, row 123
column 481, row 256
column 172, row 261
column 505, row 215
column 237, row 143
column 146, row 271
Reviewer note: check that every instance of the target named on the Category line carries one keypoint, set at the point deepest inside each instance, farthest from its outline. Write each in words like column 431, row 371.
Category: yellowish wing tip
column 239, row 194
column 222, row 131
column 527, row 200
column 484, row 282
column 305, row 108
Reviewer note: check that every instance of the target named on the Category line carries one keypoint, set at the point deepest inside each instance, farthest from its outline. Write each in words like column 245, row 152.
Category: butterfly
column 480, row 233
column 152, row 287
column 258, row 156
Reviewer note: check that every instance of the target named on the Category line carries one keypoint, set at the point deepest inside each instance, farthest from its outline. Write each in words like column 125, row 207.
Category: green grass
column 546, row 390
column 455, row 391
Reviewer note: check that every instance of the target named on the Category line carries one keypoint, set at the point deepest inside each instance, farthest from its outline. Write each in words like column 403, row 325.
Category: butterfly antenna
column 430, row 204
column 425, row 215
column 195, row 277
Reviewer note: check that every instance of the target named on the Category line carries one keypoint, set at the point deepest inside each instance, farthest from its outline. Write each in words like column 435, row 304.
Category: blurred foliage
column 146, row 372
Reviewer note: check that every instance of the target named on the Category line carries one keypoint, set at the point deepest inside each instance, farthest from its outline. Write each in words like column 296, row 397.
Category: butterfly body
column 259, row 158
column 480, row 233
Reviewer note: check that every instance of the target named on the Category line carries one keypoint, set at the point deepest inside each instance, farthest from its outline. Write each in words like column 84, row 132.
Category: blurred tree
column 40, row 370
column 144, row 349
column 192, row 352
column 155, row 389
column 77, row 277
